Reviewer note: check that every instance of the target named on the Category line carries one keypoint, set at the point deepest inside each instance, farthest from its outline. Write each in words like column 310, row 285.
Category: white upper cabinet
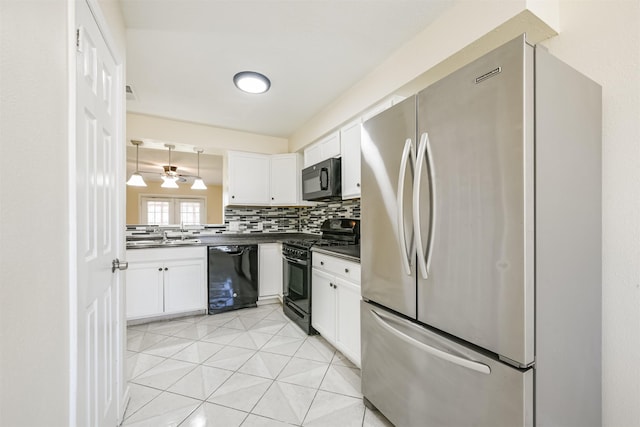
column 350, row 148
column 285, row 179
column 326, row 148
column 248, row 180
column 254, row 179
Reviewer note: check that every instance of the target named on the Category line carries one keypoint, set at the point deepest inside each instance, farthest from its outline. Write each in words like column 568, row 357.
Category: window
column 172, row 210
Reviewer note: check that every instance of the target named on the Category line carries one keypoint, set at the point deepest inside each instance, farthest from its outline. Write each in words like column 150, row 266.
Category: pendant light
column 198, row 183
column 135, row 180
column 169, row 178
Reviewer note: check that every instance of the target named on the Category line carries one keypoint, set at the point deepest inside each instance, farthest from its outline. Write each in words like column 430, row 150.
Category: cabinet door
column 284, row 179
column 330, row 146
column 350, row 148
column 270, row 264
column 323, row 304
column 184, row 285
column 348, row 319
column 313, row 154
column 144, row 290
column 248, row 175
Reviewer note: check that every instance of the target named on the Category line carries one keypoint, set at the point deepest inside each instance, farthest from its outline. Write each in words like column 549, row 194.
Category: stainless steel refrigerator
column 481, row 247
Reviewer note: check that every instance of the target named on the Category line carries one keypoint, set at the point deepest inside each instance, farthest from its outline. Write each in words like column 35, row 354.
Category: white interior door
column 98, row 200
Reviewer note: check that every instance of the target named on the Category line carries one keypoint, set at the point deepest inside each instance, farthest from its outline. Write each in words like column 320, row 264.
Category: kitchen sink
column 160, row 243
column 182, row 242
column 139, row 243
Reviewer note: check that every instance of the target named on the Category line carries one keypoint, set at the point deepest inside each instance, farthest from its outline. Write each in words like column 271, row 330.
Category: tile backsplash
column 253, row 219
column 311, row 218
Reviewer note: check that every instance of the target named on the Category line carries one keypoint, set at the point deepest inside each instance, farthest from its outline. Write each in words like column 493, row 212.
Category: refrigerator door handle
column 432, row 192
column 457, row 360
column 422, row 148
column 407, row 156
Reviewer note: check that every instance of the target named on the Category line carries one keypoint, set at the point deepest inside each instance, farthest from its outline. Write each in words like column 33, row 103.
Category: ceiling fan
column 170, row 175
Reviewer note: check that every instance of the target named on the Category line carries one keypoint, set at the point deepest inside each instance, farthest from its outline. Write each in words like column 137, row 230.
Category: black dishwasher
column 233, row 277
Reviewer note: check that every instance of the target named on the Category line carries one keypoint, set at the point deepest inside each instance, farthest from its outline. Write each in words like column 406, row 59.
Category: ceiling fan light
column 169, row 182
column 251, row 82
column 198, row 184
column 136, row 180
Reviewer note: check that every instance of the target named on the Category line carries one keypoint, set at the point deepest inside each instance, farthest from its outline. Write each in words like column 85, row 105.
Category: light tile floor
column 250, row 367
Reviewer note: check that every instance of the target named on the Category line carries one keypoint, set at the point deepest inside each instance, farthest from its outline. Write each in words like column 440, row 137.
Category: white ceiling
column 182, row 55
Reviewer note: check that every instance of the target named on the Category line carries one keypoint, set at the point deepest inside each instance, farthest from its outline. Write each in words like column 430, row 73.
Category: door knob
column 116, row 264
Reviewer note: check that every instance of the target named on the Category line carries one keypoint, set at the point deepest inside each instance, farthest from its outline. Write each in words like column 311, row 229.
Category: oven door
column 297, row 282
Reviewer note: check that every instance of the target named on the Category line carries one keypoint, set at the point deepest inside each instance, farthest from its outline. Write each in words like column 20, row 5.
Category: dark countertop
column 349, row 252
column 235, row 239
column 254, row 238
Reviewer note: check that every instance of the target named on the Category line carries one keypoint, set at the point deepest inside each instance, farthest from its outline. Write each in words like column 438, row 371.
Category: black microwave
column 322, row 181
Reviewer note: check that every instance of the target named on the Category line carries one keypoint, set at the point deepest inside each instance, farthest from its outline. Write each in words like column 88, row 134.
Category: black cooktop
column 352, row 251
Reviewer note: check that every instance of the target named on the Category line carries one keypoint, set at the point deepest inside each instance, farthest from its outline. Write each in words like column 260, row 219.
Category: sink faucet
column 165, row 236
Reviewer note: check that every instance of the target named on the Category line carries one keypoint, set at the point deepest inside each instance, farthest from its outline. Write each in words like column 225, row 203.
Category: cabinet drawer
column 340, row 267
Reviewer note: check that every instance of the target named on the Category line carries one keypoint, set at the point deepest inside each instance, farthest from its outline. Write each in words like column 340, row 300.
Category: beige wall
column 462, row 32
column 213, row 195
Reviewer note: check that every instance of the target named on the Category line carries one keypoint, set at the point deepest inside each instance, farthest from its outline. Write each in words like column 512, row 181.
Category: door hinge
column 78, row 40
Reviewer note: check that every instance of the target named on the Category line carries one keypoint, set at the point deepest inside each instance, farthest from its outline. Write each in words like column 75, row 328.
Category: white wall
column 602, row 40
column 34, row 290
column 212, row 139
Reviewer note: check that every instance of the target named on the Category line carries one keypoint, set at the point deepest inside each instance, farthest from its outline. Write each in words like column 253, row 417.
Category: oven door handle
column 295, row 261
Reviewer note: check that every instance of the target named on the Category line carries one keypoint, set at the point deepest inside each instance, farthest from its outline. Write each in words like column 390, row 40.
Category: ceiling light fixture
column 251, row 82
column 170, row 176
column 198, row 183
column 136, row 180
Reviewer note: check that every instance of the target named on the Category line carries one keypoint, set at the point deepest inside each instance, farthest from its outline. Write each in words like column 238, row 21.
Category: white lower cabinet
column 270, row 267
column 163, row 281
column 323, row 304
column 335, row 303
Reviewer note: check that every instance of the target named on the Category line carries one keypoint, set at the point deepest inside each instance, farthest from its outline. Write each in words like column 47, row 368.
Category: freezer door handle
column 408, row 155
column 460, row 361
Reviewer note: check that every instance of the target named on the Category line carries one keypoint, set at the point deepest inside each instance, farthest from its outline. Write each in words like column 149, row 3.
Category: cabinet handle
column 160, row 269
column 346, row 270
column 233, row 197
column 321, row 262
column 272, row 198
column 166, row 269
column 358, row 185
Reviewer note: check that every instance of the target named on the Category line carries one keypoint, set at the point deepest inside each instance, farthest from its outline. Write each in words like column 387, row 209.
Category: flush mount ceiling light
column 251, row 82
column 136, row 180
column 198, row 183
